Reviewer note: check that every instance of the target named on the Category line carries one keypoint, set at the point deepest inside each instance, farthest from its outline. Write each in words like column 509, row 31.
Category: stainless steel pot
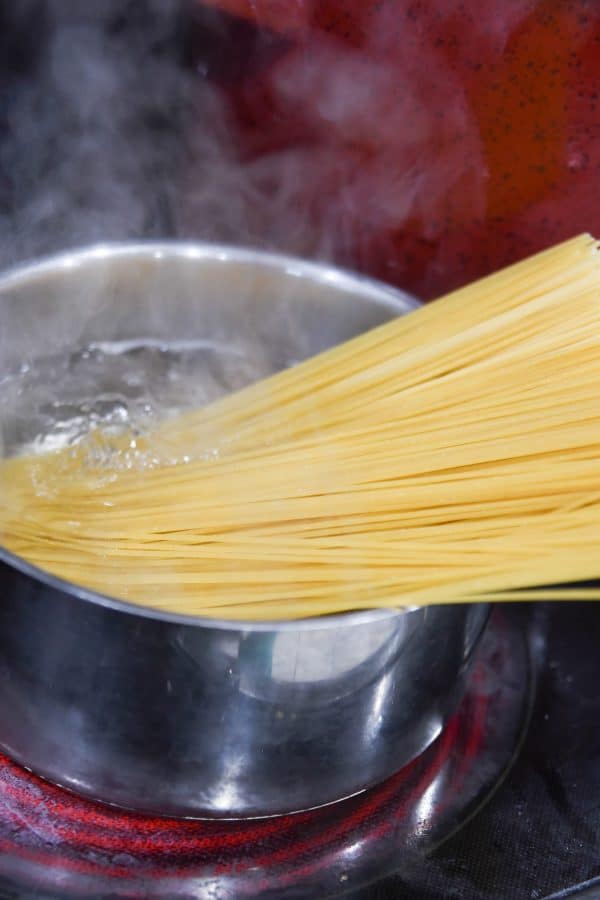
column 196, row 717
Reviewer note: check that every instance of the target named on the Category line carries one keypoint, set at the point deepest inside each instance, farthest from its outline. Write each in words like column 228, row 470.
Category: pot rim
column 371, row 288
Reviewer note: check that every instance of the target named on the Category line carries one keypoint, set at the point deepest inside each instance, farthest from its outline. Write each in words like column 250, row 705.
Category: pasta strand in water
column 452, row 455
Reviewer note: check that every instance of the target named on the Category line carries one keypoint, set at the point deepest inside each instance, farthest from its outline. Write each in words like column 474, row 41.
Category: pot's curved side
column 200, row 718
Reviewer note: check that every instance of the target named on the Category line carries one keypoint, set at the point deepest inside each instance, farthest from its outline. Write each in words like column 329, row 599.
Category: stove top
column 506, row 804
column 503, row 804
column 62, row 845
column 539, row 835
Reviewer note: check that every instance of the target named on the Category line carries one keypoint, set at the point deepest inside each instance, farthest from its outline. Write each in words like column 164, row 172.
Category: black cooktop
column 539, row 835
column 102, row 131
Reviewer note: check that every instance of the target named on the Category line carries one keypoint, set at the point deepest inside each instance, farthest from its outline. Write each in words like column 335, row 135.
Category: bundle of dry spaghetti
column 450, row 455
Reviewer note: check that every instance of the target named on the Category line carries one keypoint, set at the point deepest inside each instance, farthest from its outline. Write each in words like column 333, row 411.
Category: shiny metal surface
column 193, row 717
column 391, row 828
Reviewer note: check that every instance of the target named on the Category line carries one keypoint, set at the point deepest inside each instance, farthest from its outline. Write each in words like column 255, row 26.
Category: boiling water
column 117, row 387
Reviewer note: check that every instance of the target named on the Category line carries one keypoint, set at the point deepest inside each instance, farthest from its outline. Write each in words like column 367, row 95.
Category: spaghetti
column 451, row 455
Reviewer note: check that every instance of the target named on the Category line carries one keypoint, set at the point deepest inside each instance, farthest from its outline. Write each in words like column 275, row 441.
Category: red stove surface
column 58, row 843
